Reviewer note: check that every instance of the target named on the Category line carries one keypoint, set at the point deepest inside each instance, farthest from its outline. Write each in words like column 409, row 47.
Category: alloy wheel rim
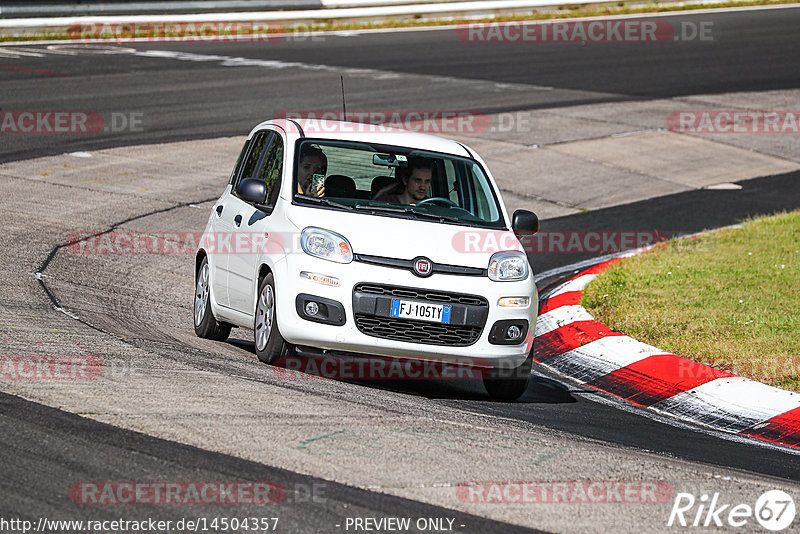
column 264, row 316
column 201, row 295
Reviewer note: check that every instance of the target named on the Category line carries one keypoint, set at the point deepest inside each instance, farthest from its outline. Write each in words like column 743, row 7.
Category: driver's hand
column 319, row 191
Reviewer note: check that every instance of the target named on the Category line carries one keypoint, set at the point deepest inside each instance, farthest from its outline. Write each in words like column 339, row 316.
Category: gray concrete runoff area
column 139, row 307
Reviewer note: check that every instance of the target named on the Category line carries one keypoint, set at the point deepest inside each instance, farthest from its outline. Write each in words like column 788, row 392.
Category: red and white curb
column 570, row 341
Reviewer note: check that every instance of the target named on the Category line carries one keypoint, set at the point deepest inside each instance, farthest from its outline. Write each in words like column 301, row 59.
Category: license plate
column 408, row 309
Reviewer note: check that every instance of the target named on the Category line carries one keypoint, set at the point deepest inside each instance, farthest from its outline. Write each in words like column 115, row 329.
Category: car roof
column 366, row 133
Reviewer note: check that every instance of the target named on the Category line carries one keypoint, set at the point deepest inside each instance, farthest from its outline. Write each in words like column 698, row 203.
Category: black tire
column 269, row 344
column 509, row 384
column 205, row 325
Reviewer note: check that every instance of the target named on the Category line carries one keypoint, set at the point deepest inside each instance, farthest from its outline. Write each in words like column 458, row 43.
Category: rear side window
column 264, row 161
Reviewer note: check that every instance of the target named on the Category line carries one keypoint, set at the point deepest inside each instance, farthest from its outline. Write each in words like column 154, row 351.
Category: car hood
column 400, row 238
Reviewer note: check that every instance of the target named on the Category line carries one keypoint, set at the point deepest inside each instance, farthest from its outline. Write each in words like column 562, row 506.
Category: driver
column 416, row 182
column 312, row 161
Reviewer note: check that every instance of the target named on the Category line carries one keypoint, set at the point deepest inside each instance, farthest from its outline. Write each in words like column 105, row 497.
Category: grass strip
column 729, row 299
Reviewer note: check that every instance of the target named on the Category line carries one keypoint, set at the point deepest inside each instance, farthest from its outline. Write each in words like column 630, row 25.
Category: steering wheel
column 440, row 201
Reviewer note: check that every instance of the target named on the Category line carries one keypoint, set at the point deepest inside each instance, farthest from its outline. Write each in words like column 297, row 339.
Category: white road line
column 574, row 268
column 65, row 312
column 234, row 61
column 18, row 52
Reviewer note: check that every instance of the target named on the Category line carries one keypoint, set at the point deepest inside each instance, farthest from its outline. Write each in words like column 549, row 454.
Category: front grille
column 372, row 302
column 417, row 331
column 421, row 294
column 408, row 265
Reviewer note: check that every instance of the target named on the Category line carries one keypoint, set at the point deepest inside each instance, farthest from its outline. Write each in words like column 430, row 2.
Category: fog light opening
column 312, row 308
column 514, row 332
column 508, row 332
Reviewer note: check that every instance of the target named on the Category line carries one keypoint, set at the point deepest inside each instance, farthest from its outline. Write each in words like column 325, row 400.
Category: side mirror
column 252, row 190
column 524, row 222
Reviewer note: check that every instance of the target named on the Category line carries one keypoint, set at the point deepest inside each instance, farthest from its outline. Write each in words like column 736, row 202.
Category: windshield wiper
column 324, row 202
column 434, row 215
column 409, row 211
column 381, row 208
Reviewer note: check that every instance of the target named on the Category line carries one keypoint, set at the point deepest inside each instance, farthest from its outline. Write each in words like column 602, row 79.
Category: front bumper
column 349, row 338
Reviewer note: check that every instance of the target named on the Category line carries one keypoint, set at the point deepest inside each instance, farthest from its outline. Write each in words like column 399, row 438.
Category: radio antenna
column 344, row 106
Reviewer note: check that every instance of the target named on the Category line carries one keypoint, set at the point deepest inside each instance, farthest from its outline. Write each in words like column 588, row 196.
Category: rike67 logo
column 774, row 510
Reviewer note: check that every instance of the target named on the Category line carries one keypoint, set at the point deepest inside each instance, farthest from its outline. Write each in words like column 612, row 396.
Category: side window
column 256, row 156
column 486, row 208
column 273, row 167
column 265, row 161
column 238, row 165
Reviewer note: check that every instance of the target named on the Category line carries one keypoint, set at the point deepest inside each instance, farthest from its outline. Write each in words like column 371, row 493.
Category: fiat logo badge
column 423, row 267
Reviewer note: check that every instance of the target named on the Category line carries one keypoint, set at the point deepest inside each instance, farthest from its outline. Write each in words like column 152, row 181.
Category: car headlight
column 326, row 245
column 508, row 266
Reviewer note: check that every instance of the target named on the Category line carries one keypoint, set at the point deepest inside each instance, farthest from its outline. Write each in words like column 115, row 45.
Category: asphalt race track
column 751, row 51
column 63, row 437
column 176, row 408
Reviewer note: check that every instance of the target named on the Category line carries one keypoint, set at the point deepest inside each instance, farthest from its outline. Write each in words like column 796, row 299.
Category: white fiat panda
column 341, row 238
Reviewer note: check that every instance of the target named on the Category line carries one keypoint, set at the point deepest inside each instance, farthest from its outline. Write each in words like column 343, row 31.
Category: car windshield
column 395, row 182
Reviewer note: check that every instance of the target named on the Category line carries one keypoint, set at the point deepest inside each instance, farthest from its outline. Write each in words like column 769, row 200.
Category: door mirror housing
column 524, row 222
column 252, row 190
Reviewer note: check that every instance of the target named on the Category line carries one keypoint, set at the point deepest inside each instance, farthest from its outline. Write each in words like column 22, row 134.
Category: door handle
column 219, row 210
column 238, row 220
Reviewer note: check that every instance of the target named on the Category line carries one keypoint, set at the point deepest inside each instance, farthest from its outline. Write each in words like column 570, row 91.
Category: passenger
column 312, row 161
column 416, row 180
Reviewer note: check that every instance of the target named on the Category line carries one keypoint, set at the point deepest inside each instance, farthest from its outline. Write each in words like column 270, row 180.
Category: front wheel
column 205, row 325
column 269, row 344
column 509, row 384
